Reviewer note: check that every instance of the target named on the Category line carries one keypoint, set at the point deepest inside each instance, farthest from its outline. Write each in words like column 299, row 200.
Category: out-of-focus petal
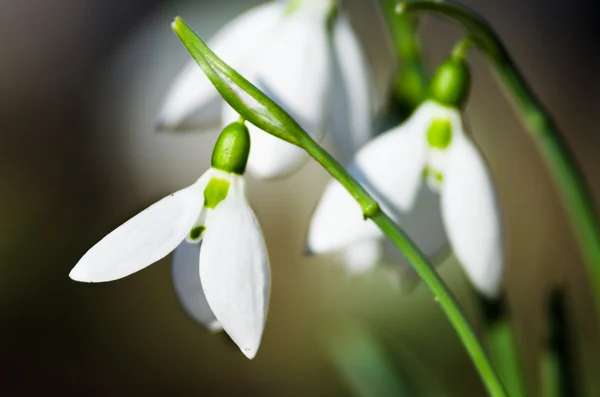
column 186, row 281
column 192, row 98
column 145, row 238
column 471, row 214
column 234, row 269
column 392, row 164
column 351, row 105
column 338, row 222
column 294, row 67
column 361, row 258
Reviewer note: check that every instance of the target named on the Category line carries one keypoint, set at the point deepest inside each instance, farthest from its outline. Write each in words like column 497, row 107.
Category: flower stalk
column 501, row 338
column 260, row 110
column 412, row 81
column 558, row 157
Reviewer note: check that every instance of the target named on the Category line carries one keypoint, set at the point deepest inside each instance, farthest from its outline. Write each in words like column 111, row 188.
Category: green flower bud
column 232, row 149
column 450, row 84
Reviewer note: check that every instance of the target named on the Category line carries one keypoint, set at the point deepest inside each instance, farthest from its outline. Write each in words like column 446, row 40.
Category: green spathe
column 215, row 192
column 450, row 84
column 231, row 150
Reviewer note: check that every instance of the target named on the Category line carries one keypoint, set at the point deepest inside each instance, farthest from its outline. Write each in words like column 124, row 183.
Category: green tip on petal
column 215, row 192
column 439, row 134
column 232, row 149
column 451, row 82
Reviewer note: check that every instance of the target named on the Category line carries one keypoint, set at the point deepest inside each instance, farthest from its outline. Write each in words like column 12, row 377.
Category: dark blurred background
column 80, row 84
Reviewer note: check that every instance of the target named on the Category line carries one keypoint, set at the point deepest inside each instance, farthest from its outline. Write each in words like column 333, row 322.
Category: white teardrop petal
column 471, row 215
column 145, row 238
column 353, row 111
column 338, row 222
column 187, row 285
column 392, row 164
column 234, row 269
column 192, row 98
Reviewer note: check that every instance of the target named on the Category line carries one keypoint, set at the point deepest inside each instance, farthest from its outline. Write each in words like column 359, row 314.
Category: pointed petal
column 144, row 239
column 186, row 281
column 471, row 215
column 362, row 257
column 192, row 92
column 234, row 269
column 294, row 67
column 352, row 107
column 270, row 157
column 191, row 101
column 338, row 222
column 392, row 164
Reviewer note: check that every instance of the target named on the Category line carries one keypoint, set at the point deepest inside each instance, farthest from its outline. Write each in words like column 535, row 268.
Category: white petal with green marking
column 234, row 269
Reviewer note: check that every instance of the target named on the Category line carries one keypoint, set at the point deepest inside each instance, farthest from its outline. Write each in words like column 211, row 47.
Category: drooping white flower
column 430, row 146
column 227, row 284
column 317, row 74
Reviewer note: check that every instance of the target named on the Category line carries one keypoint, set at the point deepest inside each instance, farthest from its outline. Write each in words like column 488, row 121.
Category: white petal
column 352, row 107
column 471, row 214
column 234, row 269
column 192, row 92
column 423, row 224
column 393, row 163
column 293, row 67
column 362, row 257
column 144, row 239
column 186, row 281
column 270, row 157
column 338, row 222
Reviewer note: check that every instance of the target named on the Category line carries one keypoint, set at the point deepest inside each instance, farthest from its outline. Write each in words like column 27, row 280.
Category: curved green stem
column 558, row 157
column 419, row 262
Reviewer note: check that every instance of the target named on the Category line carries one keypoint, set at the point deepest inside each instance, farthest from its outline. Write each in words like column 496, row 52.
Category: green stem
column 420, row 263
column 558, row 157
column 501, row 339
column 558, row 377
column 362, row 361
column 411, row 83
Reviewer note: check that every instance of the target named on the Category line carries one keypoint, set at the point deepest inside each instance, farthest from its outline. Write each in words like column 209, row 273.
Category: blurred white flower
column 227, row 284
column 305, row 56
column 431, row 145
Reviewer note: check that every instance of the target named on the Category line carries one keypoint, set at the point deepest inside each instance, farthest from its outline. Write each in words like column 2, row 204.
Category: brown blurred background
column 80, row 84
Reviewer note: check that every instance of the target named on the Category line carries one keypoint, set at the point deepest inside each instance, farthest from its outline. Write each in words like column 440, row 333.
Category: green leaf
column 251, row 103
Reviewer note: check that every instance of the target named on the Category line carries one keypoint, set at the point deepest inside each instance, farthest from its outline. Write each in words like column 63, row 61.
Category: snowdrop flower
column 430, row 146
column 229, row 278
column 301, row 53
